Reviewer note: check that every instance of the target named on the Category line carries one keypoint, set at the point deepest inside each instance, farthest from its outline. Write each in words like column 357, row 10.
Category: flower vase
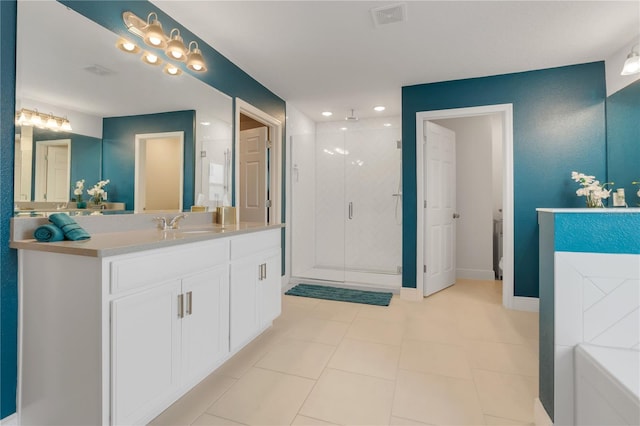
column 81, row 204
column 594, row 202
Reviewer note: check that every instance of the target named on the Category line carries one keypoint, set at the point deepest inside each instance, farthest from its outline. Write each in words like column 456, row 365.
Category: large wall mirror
column 69, row 66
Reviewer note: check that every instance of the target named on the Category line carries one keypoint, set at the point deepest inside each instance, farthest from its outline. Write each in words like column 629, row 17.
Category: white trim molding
column 275, row 136
column 530, row 304
column 11, row 420
column 506, row 113
column 411, row 293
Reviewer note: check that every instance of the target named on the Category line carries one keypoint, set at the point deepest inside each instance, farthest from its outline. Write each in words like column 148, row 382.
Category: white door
column 205, row 326
column 253, row 175
column 58, row 173
column 52, row 170
column 440, row 209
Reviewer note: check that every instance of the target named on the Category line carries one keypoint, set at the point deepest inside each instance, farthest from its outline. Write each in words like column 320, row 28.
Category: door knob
column 456, row 215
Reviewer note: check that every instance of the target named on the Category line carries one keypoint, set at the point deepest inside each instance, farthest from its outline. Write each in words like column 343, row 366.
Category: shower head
column 351, row 117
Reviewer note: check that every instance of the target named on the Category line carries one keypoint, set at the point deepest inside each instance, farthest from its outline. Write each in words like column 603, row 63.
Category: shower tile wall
column 360, row 165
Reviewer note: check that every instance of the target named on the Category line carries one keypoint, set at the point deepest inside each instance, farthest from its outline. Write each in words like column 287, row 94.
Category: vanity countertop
column 130, row 241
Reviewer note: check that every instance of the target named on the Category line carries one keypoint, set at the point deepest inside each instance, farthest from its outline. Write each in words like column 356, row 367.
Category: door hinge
column 269, row 144
column 424, row 268
column 268, row 203
column 425, row 204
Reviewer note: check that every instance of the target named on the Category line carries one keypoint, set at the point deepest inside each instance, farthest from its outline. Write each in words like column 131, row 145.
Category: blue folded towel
column 72, row 231
column 48, row 233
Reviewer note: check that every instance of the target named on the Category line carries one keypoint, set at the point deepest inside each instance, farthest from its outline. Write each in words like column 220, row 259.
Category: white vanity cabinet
column 117, row 339
column 165, row 338
column 255, row 285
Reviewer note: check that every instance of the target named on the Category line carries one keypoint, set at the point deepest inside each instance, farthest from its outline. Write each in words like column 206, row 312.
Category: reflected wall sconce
column 151, row 59
column 172, row 70
column 173, row 45
column 28, row 117
column 632, row 64
column 127, row 46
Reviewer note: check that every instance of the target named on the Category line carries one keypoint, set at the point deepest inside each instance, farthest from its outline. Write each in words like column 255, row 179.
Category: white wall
column 301, row 197
column 613, row 66
column 475, row 195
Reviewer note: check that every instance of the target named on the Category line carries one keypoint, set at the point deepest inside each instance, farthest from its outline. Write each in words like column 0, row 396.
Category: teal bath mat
column 341, row 294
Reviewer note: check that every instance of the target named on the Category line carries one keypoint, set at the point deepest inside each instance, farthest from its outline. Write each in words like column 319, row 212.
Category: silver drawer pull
column 189, row 303
column 180, row 306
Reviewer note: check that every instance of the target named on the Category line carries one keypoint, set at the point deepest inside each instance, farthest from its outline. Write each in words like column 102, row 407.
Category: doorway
column 258, row 160
column 159, row 172
column 504, row 114
column 52, row 174
column 254, row 171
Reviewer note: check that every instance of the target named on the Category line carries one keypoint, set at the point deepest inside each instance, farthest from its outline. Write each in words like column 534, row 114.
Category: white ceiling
column 328, row 55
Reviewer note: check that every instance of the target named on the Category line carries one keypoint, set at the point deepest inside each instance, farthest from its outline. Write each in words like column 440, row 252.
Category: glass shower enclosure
column 346, row 203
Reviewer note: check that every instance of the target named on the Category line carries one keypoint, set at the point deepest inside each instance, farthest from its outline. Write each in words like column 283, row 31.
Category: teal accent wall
column 617, row 232
column 558, row 125
column 86, row 155
column 8, row 261
column 623, row 141
column 118, row 151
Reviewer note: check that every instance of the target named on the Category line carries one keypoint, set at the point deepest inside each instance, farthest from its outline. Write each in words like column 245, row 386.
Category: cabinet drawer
column 255, row 242
column 136, row 271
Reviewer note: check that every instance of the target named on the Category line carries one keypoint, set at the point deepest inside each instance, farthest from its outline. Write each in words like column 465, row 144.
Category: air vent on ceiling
column 389, row 14
column 99, row 70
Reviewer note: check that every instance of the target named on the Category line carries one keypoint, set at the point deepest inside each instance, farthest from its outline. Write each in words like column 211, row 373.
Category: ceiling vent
column 389, row 14
column 99, row 70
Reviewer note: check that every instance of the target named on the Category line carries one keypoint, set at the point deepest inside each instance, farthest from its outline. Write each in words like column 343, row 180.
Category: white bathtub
column 607, row 385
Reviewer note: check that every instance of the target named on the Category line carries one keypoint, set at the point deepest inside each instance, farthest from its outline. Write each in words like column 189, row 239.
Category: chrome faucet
column 173, row 223
column 162, row 222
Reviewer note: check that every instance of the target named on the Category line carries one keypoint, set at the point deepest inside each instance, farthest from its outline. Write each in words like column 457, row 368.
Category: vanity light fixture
column 173, row 45
column 28, row 117
column 195, row 61
column 171, row 69
column 632, row 64
column 151, row 59
column 153, row 33
column 176, row 49
column 127, row 46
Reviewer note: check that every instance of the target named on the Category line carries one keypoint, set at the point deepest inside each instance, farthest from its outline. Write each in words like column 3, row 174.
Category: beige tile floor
column 456, row 358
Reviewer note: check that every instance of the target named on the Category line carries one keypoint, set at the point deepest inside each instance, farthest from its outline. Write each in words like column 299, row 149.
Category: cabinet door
column 270, row 289
column 205, row 326
column 145, row 351
column 245, row 319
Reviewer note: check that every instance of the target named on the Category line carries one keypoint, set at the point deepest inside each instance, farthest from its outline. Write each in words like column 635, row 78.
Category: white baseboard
column 475, row 274
column 521, row 303
column 11, row 420
column 409, row 293
column 540, row 416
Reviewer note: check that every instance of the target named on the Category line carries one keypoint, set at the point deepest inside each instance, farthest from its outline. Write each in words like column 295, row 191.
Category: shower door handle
column 350, row 209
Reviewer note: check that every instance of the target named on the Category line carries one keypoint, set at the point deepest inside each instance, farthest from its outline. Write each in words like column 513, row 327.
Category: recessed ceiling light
column 327, row 113
column 343, row 128
column 379, row 108
column 387, row 124
column 205, row 123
